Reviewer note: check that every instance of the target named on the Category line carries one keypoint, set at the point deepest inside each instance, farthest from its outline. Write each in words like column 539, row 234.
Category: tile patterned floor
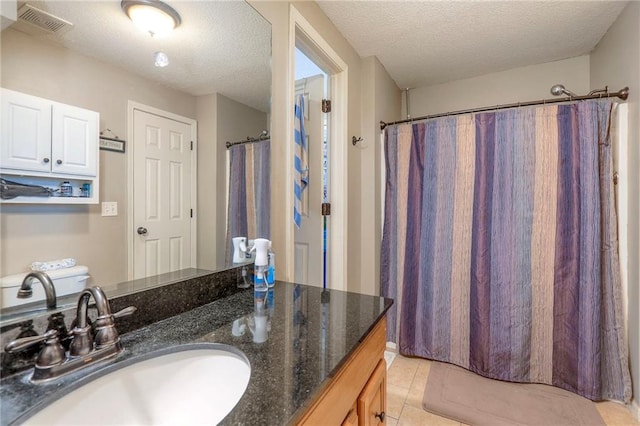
column 407, row 377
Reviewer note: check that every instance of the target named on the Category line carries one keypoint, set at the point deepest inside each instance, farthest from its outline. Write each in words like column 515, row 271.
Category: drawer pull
column 381, row 416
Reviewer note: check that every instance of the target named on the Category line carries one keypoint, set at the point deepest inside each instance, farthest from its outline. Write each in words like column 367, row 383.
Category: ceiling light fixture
column 151, row 16
column 161, row 59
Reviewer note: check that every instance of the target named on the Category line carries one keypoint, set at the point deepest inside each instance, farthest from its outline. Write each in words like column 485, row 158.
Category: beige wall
column 381, row 100
column 519, row 84
column 37, row 232
column 207, row 212
column 314, row 15
column 616, row 62
column 277, row 13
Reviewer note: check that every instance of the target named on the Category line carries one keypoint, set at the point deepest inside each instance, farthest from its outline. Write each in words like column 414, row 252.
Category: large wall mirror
column 219, row 76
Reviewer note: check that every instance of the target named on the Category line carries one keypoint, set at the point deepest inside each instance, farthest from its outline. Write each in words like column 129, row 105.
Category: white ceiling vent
column 43, row 20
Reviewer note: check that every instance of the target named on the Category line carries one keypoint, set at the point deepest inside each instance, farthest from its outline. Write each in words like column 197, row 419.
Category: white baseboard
column 389, row 357
column 634, row 408
column 392, row 347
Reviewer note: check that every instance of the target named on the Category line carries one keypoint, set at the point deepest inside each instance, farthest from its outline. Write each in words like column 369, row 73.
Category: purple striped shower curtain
column 249, row 204
column 500, row 246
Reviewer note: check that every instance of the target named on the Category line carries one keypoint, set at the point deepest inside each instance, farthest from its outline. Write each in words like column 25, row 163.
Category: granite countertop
column 311, row 334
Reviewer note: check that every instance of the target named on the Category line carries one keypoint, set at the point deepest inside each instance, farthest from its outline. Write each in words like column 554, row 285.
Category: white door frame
column 300, row 28
column 131, row 107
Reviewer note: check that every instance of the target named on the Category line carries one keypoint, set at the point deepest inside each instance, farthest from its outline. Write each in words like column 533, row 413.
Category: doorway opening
column 333, row 77
column 311, row 233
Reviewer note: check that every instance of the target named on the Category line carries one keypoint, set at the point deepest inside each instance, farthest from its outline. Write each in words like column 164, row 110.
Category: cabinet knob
column 380, row 416
column 45, row 160
column 58, row 162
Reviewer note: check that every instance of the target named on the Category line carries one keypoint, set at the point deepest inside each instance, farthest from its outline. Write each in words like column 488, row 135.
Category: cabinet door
column 74, row 140
column 372, row 401
column 26, row 132
column 352, row 417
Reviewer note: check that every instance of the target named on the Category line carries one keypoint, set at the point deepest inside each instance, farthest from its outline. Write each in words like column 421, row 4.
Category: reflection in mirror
column 218, row 76
column 249, row 195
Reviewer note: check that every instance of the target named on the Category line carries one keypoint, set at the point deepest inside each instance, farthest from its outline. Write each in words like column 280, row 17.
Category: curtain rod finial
column 624, row 93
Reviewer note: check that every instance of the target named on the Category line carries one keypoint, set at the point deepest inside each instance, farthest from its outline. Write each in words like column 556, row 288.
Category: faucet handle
column 125, row 312
column 105, row 329
column 26, row 342
column 52, row 353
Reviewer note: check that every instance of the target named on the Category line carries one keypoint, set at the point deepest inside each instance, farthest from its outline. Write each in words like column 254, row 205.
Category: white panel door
column 74, row 140
column 308, row 238
column 162, row 194
column 26, row 132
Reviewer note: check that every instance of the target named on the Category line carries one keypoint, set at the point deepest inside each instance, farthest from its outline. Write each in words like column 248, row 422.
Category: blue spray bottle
column 261, row 264
column 271, row 272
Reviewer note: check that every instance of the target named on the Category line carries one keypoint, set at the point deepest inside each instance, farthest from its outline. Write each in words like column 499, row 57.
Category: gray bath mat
column 461, row 395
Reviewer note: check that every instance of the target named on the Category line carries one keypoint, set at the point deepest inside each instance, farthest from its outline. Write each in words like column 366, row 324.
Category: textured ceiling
column 224, row 46
column 422, row 43
column 221, row 46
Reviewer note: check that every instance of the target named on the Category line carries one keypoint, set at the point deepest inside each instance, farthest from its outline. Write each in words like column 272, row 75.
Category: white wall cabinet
column 26, row 132
column 51, row 142
column 74, row 140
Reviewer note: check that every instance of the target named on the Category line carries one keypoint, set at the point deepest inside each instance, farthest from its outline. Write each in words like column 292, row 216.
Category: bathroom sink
column 197, row 384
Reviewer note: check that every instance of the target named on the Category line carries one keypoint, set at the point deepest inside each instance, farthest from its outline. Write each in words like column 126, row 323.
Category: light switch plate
column 110, row 208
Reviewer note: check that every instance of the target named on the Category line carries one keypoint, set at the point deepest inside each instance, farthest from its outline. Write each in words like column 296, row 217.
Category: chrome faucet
column 49, row 289
column 85, row 349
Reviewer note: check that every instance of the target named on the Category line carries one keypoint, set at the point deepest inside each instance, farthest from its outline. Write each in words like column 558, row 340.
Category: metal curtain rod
column 595, row 94
column 263, row 136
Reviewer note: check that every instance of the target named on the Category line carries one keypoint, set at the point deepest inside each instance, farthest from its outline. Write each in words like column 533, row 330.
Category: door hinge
column 191, row 145
column 326, row 209
column 326, row 105
column 191, row 212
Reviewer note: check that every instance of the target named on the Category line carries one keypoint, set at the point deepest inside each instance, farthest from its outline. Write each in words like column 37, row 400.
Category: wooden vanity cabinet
column 352, row 416
column 372, row 401
column 357, row 393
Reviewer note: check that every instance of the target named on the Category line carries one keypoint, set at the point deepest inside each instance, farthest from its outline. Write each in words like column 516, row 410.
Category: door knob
column 142, row 230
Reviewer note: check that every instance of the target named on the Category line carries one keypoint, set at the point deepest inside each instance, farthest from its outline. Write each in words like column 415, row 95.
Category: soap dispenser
column 240, row 254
